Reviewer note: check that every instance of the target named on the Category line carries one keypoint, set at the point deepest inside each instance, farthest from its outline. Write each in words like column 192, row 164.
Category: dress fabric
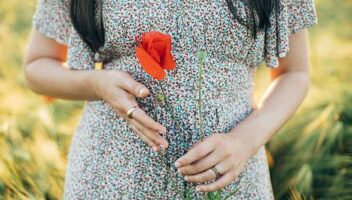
column 106, row 159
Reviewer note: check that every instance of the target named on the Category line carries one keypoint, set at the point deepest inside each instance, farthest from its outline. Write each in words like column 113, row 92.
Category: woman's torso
column 104, row 143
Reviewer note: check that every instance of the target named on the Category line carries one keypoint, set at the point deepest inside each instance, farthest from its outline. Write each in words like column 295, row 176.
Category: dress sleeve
column 52, row 18
column 301, row 15
column 294, row 16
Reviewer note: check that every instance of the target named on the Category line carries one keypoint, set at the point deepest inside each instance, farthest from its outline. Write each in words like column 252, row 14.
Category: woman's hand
column 119, row 89
column 46, row 74
column 227, row 152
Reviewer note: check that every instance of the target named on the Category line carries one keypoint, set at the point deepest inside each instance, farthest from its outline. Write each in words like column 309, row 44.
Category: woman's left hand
column 227, row 152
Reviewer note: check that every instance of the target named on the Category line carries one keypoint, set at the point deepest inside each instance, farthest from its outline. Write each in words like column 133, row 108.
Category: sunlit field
column 310, row 158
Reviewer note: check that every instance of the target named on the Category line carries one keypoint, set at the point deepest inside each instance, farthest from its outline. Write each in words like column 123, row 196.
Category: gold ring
column 217, row 173
column 130, row 111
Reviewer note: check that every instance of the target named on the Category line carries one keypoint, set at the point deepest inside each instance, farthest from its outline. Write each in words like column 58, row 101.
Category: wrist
column 247, row 140
column 93, row 79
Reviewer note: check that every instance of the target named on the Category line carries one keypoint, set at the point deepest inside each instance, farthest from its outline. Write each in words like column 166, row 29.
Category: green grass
column 313, row 153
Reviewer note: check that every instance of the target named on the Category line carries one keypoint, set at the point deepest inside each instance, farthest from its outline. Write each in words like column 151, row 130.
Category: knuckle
column 126, row 80
column 119, row 75
column 123, row 73
column 227, row 154
column 227, row 151
column 117, row 106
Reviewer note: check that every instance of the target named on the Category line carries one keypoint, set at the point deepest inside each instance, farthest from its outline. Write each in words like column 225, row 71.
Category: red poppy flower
column 154, row 53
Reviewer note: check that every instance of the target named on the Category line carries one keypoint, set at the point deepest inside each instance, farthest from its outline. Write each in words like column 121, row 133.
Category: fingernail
column 198, row 189
column 177, row 164
column 179, row 171
column 142, row 91
column 162, row 147
column 186, row 178
column 155, row 149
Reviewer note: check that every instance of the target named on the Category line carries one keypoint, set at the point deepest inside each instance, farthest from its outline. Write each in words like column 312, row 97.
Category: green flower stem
column 168, row 106
column 201, row 57
column 161, row 99
column 162, row 158
column 200, row 106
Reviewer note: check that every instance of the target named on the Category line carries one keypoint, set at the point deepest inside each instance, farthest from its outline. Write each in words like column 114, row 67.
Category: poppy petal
column 153, row 52
column 167, row 61
column 149, row 64
column 159, row 45
column 147, row 37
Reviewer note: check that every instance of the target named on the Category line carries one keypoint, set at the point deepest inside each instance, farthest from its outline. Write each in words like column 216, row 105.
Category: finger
column 132, row 86
column 196, row 153
column 223, row 167
column 202, row 177
column 202, row 164
column 138, row 114
column 223, row 181
column 144, row 138
column 153, row 136
column 195, row 145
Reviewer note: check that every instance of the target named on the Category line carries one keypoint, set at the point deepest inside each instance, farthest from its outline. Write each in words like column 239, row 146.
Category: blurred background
column 310, row 158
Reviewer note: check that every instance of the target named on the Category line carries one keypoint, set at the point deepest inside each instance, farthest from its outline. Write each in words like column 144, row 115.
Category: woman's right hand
column 46, row 75
column 120, row 90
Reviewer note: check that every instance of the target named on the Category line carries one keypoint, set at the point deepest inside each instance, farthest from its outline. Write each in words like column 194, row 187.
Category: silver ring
column 216, row 172
column 130, row 111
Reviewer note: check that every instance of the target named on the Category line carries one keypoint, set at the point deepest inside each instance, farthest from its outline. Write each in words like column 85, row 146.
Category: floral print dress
column 106, row 159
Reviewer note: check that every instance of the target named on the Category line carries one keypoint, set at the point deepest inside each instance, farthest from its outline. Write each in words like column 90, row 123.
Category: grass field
column 310, row 158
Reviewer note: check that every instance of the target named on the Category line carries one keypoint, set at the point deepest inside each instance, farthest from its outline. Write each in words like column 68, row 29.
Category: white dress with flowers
column 106, row 159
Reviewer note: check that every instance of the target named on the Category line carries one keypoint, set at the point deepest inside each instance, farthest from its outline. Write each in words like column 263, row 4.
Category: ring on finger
column 216, row 172
column 130, row 111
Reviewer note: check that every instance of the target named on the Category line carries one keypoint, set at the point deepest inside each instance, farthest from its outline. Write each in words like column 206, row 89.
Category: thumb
column 134, row 87
column 142, row 91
